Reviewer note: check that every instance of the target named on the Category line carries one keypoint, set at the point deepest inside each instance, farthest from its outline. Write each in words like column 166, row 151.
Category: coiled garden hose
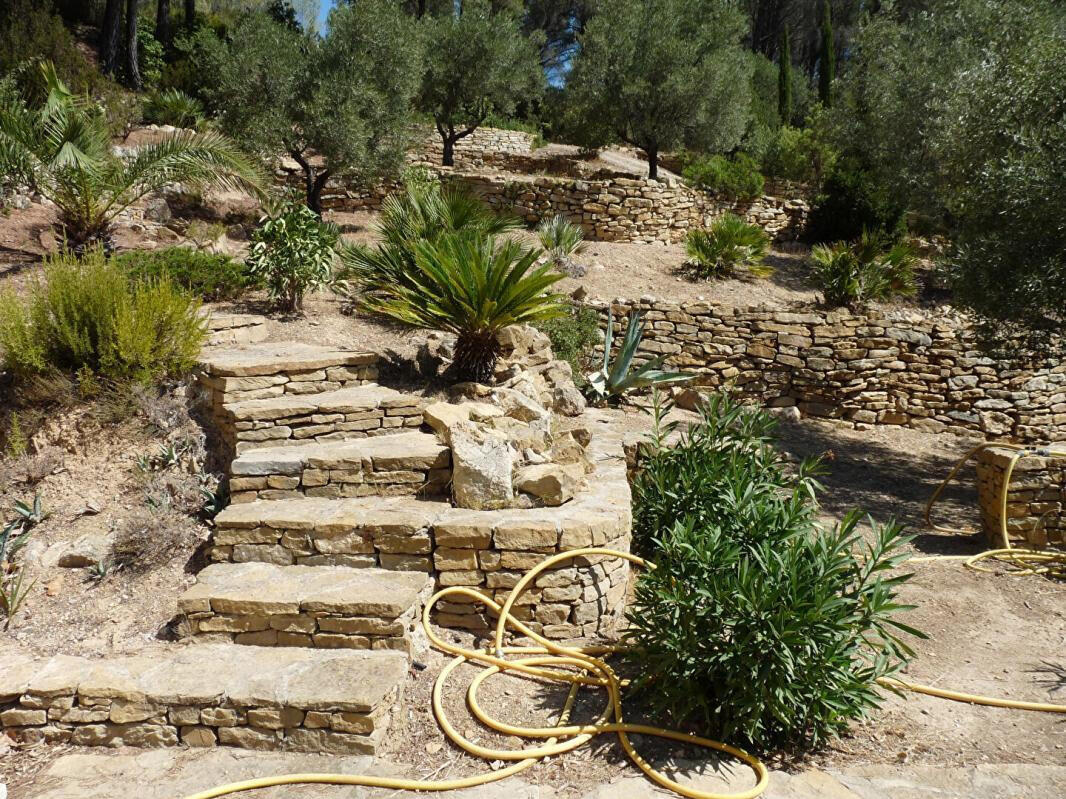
column 577, row 666
column 548, row 659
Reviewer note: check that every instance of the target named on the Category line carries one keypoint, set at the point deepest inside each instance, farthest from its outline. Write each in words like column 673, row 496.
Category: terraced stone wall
column 1036, row 496
column 611, row 209
column 918, row 369
column 483, row 147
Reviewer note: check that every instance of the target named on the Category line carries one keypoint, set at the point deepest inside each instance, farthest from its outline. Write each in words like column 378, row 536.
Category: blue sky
column 323, row 12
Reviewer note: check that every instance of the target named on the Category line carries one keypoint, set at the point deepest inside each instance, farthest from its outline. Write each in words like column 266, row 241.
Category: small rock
column 481, row 468
column 551, row 483
column 88, row 550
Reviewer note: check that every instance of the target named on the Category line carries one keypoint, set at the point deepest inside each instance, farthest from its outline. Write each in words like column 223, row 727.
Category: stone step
column 302, row 700
column 402, row 464
column 347, row 413
column 329, row 607
column 229, row 329
column 271, row 369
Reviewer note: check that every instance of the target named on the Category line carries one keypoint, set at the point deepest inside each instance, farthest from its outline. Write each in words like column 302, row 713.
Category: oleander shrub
column 89, row 317
column 292, row 253
column 758, row 625
column 873, row 268
column 728, row 243
column 209, row 276
column 737, row 178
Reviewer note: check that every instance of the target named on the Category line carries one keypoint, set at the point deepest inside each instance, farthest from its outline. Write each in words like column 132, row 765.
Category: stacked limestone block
column 357, row 412
column 1036, row 497
column 914, row 368
column 259, row 604
column 293, row 699
column 398, row 465
column 229, row 329
column 486, row 550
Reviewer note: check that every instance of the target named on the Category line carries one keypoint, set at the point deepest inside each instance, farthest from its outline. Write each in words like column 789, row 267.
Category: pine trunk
column 110, row 35
column 162, row 23
column 133, row 72
column 190, row 13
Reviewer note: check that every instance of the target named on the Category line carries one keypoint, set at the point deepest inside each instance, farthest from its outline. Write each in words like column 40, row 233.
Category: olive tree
column 665, row 73
column 478, row 63
column 957, row 109
column 339, row 106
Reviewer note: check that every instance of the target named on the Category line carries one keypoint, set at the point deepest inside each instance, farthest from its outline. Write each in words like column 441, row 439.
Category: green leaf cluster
column 292, row 253
column 209, row 276
column 623, row 374
column 757, row 625
column 872, row 268
column 730, row 242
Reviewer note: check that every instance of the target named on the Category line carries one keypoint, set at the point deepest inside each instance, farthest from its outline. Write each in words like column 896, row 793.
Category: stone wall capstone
column 914, row 368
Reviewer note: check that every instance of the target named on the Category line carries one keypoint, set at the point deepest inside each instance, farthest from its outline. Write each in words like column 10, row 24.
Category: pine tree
column 110, row 35
column 784, row 78
column 162, row 23
column 133, row 72
column 827, row 58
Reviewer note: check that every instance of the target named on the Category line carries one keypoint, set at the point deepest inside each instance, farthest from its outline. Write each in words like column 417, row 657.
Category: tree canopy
column 664, row 74
column 339, row 105
column 478, row 63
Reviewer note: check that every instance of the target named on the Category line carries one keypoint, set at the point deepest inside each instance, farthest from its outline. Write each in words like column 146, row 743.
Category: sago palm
column 63, row 151
column 422, row 212
column 473, row 286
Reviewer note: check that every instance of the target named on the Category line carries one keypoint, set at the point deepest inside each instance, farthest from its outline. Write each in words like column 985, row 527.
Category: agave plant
column 730, row 242
column 473, row 286
column 424, row 211
column 561, row 240
column 63, row 151
column 615, row 379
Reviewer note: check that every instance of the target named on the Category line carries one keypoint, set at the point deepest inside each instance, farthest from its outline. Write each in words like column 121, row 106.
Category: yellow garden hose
column 582, row 666
column 547, row 660
column 1025, row 561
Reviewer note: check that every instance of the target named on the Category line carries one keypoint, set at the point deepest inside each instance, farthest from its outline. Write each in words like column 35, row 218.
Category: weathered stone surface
column 270, row 359
column 550, row 483
column 481, row 469
column 262, row 588
column 88, row 550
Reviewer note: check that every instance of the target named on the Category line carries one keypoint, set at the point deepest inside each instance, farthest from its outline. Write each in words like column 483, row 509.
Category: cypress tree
column 784, row 78
column 827, row 58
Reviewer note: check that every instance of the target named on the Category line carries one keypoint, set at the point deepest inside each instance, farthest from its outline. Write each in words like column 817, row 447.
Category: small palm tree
column 424, row 211
column 63, row 152
column 473, row 286
column 561, row 240
column 730, row 242
column 872, row 268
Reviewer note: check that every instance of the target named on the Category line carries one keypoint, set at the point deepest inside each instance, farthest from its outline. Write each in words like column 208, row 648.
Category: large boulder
column 481, row 468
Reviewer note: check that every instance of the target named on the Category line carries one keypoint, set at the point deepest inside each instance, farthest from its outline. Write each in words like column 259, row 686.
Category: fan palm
column 63, row 151
column 473, row 286
column 422, row 212
column 730, row 242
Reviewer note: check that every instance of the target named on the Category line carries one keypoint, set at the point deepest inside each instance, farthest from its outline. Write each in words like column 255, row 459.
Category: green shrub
column 574, row 336
column 173, row 107
column 205, row 275
column 737, row 178
column 757, row 625
column 31, row 31
column 730, row 242
column 150, row 57
column 798, row 154
column 292, row 253
column 850, row 202
column 873, row 268
column 89, row 315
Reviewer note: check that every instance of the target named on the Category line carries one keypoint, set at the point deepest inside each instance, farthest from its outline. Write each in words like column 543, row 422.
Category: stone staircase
column 300, row 632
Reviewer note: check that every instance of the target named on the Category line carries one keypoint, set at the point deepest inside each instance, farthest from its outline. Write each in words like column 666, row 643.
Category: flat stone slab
column 345, row 400
column 275, row 357
column 262, row 588
column 352, row 681
column 402, row 451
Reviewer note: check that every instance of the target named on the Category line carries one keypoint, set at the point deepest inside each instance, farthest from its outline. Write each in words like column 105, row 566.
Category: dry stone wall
column 918, row 369
column 613, row 209
column 1036, row 496
column 483, row 147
